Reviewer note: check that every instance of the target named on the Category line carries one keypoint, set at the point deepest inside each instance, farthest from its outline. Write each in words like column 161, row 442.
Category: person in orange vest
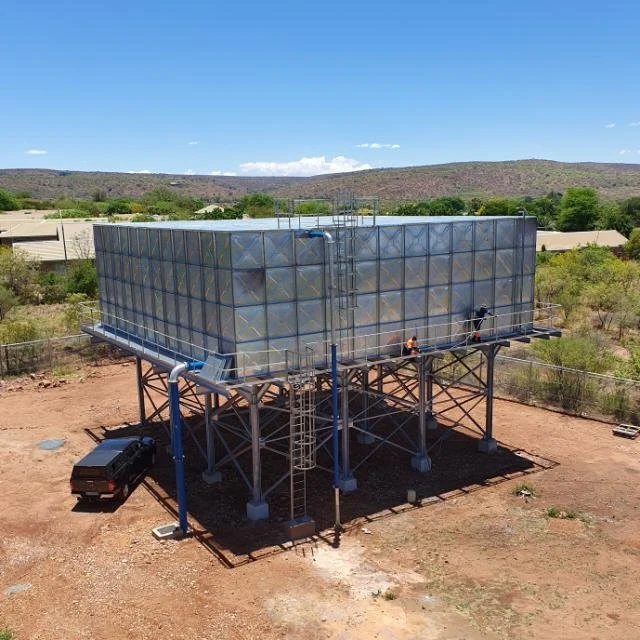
column 410, row 347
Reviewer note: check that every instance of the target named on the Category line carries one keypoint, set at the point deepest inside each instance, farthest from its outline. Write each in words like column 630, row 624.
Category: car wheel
column 124, row 492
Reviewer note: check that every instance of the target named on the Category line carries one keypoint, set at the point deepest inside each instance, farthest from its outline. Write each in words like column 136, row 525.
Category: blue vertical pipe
column 176, row 434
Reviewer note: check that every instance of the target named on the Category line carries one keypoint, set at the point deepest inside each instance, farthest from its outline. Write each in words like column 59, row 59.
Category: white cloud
column 141, row 171
column 35, row 152
column 305, row 166
column 624, row 152
column 635, row 124
column 193, row 142
column 611, row 125
column 377, row 145
column 189, row 172
column 217, row 172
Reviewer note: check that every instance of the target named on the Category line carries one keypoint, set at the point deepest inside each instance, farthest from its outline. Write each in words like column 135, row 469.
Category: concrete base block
column 168, row 531
column 421, row 463
column 365, row 438
column 257, row 510
column 487, row 445
column 348, row 484
column 300, row 528
column 211, row 477
column 431, row 422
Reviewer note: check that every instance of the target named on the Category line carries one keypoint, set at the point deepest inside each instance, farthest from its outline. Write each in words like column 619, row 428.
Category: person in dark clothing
column 478, row 318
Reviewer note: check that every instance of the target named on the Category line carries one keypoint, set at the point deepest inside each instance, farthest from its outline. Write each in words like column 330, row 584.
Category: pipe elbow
column 322, row 234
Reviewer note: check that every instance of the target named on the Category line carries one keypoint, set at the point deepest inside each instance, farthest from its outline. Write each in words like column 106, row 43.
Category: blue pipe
column 176, row 437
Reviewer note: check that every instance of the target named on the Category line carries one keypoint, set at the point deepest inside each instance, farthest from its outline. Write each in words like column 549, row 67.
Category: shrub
column 83, row 278
column 22, row 330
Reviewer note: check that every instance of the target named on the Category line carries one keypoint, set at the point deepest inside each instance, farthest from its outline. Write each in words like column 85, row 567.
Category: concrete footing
column 348, row 484
column 257, row 510
column 421, row 463
column 365, row 438
column 487, row 445
column 304, row 527
column 211, row 477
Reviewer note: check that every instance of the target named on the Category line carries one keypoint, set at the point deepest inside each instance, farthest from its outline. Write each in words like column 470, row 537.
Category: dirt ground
column 474, row 562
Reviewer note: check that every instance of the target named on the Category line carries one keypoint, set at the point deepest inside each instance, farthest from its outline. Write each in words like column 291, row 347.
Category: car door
column 135, row 455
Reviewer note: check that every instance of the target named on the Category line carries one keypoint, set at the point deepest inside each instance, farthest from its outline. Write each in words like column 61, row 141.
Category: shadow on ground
column 217, row 513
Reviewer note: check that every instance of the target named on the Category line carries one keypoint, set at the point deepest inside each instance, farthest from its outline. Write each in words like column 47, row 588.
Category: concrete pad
column 348, row 484
column 257, row 510
column 211, row 477
column 421, row 463
column 487, row 446
column 300, row 528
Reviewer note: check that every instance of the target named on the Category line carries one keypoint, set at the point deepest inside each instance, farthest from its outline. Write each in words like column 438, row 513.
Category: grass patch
column 6, row 634
column 570, row 515
column 524, row 489
column 552, row 512
column 389, row 595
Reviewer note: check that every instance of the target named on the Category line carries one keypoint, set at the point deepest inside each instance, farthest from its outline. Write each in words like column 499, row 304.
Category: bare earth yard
column 478, row 563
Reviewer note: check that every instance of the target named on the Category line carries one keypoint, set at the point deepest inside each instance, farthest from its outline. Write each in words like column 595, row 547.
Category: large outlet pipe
column 176, row 437
column 329, row 242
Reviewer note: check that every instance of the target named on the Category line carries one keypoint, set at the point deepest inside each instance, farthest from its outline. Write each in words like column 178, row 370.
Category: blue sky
column 257, row 88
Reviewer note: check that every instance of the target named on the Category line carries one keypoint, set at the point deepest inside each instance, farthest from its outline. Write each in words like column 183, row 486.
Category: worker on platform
column 478, row 318
column 410, row 347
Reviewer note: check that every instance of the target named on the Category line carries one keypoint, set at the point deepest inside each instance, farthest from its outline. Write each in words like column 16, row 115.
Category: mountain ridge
column 509, row 178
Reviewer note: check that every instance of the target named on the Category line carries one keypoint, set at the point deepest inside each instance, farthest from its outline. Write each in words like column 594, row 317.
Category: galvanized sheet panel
column 529, row 260
column 367, row 276
column 505, row 263
column 225, row 287
column 249, row 287
column 278, row 249
column 483, row 294
column 281, row 319
column 438, row 302
column 211, row 325
column 367, row 311
column 484, row 235
column 506, row 234
column 311, row 316
column 416, row 240
column 179, row 251
column 247, row 250
column 461, row 298
column 192, row 247
column 504, row 292
column 309, row 250
column 284, row 350
column 281, row 284
column 462, row 236
column 196, row 310
column 310, row 282
column 181, row 278
column 483, row 269
column 222, row 249
column 208, row 248
column 251, row 323
column 415, row 272
column 366, row 243
column 391, row 241
column 390, row 304
column 439, row 238
column 439, row 269
column 167, row 276
column 195, row 281
column 391, row 272
column 415, row 303
column 227, row 324
column 462, row 267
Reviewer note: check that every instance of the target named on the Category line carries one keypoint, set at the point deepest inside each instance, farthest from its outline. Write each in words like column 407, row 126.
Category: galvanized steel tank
column 255, row 289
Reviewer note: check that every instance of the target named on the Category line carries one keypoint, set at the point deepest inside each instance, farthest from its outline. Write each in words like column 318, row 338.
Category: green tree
column 18, row 330
column 83, row 278
column 632, row 248
column 312, row 207
column 579, row 209
column 611, row 216
column 118, row 208
column 19, row 273
column 8, row 202
column 53, row 287
column 584, row 351
column 8, row 300
column 499, row 207
column 631, row 208
column 256, row 205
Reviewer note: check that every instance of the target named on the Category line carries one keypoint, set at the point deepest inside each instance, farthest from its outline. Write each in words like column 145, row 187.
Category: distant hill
column 465, row 179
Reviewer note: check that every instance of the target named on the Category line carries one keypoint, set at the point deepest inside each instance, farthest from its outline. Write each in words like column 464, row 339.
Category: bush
column 74, row 312
column 23, row 330
column 83, row 278
column 67, row 213
column 8, row 201
column 142, row 217
column 53, row 287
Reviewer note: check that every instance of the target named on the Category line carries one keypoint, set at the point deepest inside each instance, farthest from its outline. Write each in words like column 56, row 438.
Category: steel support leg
column 140, row 382
column 347, row 481
column 421, row 461
column 430, row 416
column 488, row 444
column 210, row 475
column 257, row 508
column 365, row 438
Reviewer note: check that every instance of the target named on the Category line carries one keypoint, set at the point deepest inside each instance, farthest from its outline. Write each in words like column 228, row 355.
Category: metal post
column 257, row 508
column 431, row 419
column 421, row 461
column 488, row 444
column 347, row 481
column 365, row 438
column 140, row 383
column 210, row 475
